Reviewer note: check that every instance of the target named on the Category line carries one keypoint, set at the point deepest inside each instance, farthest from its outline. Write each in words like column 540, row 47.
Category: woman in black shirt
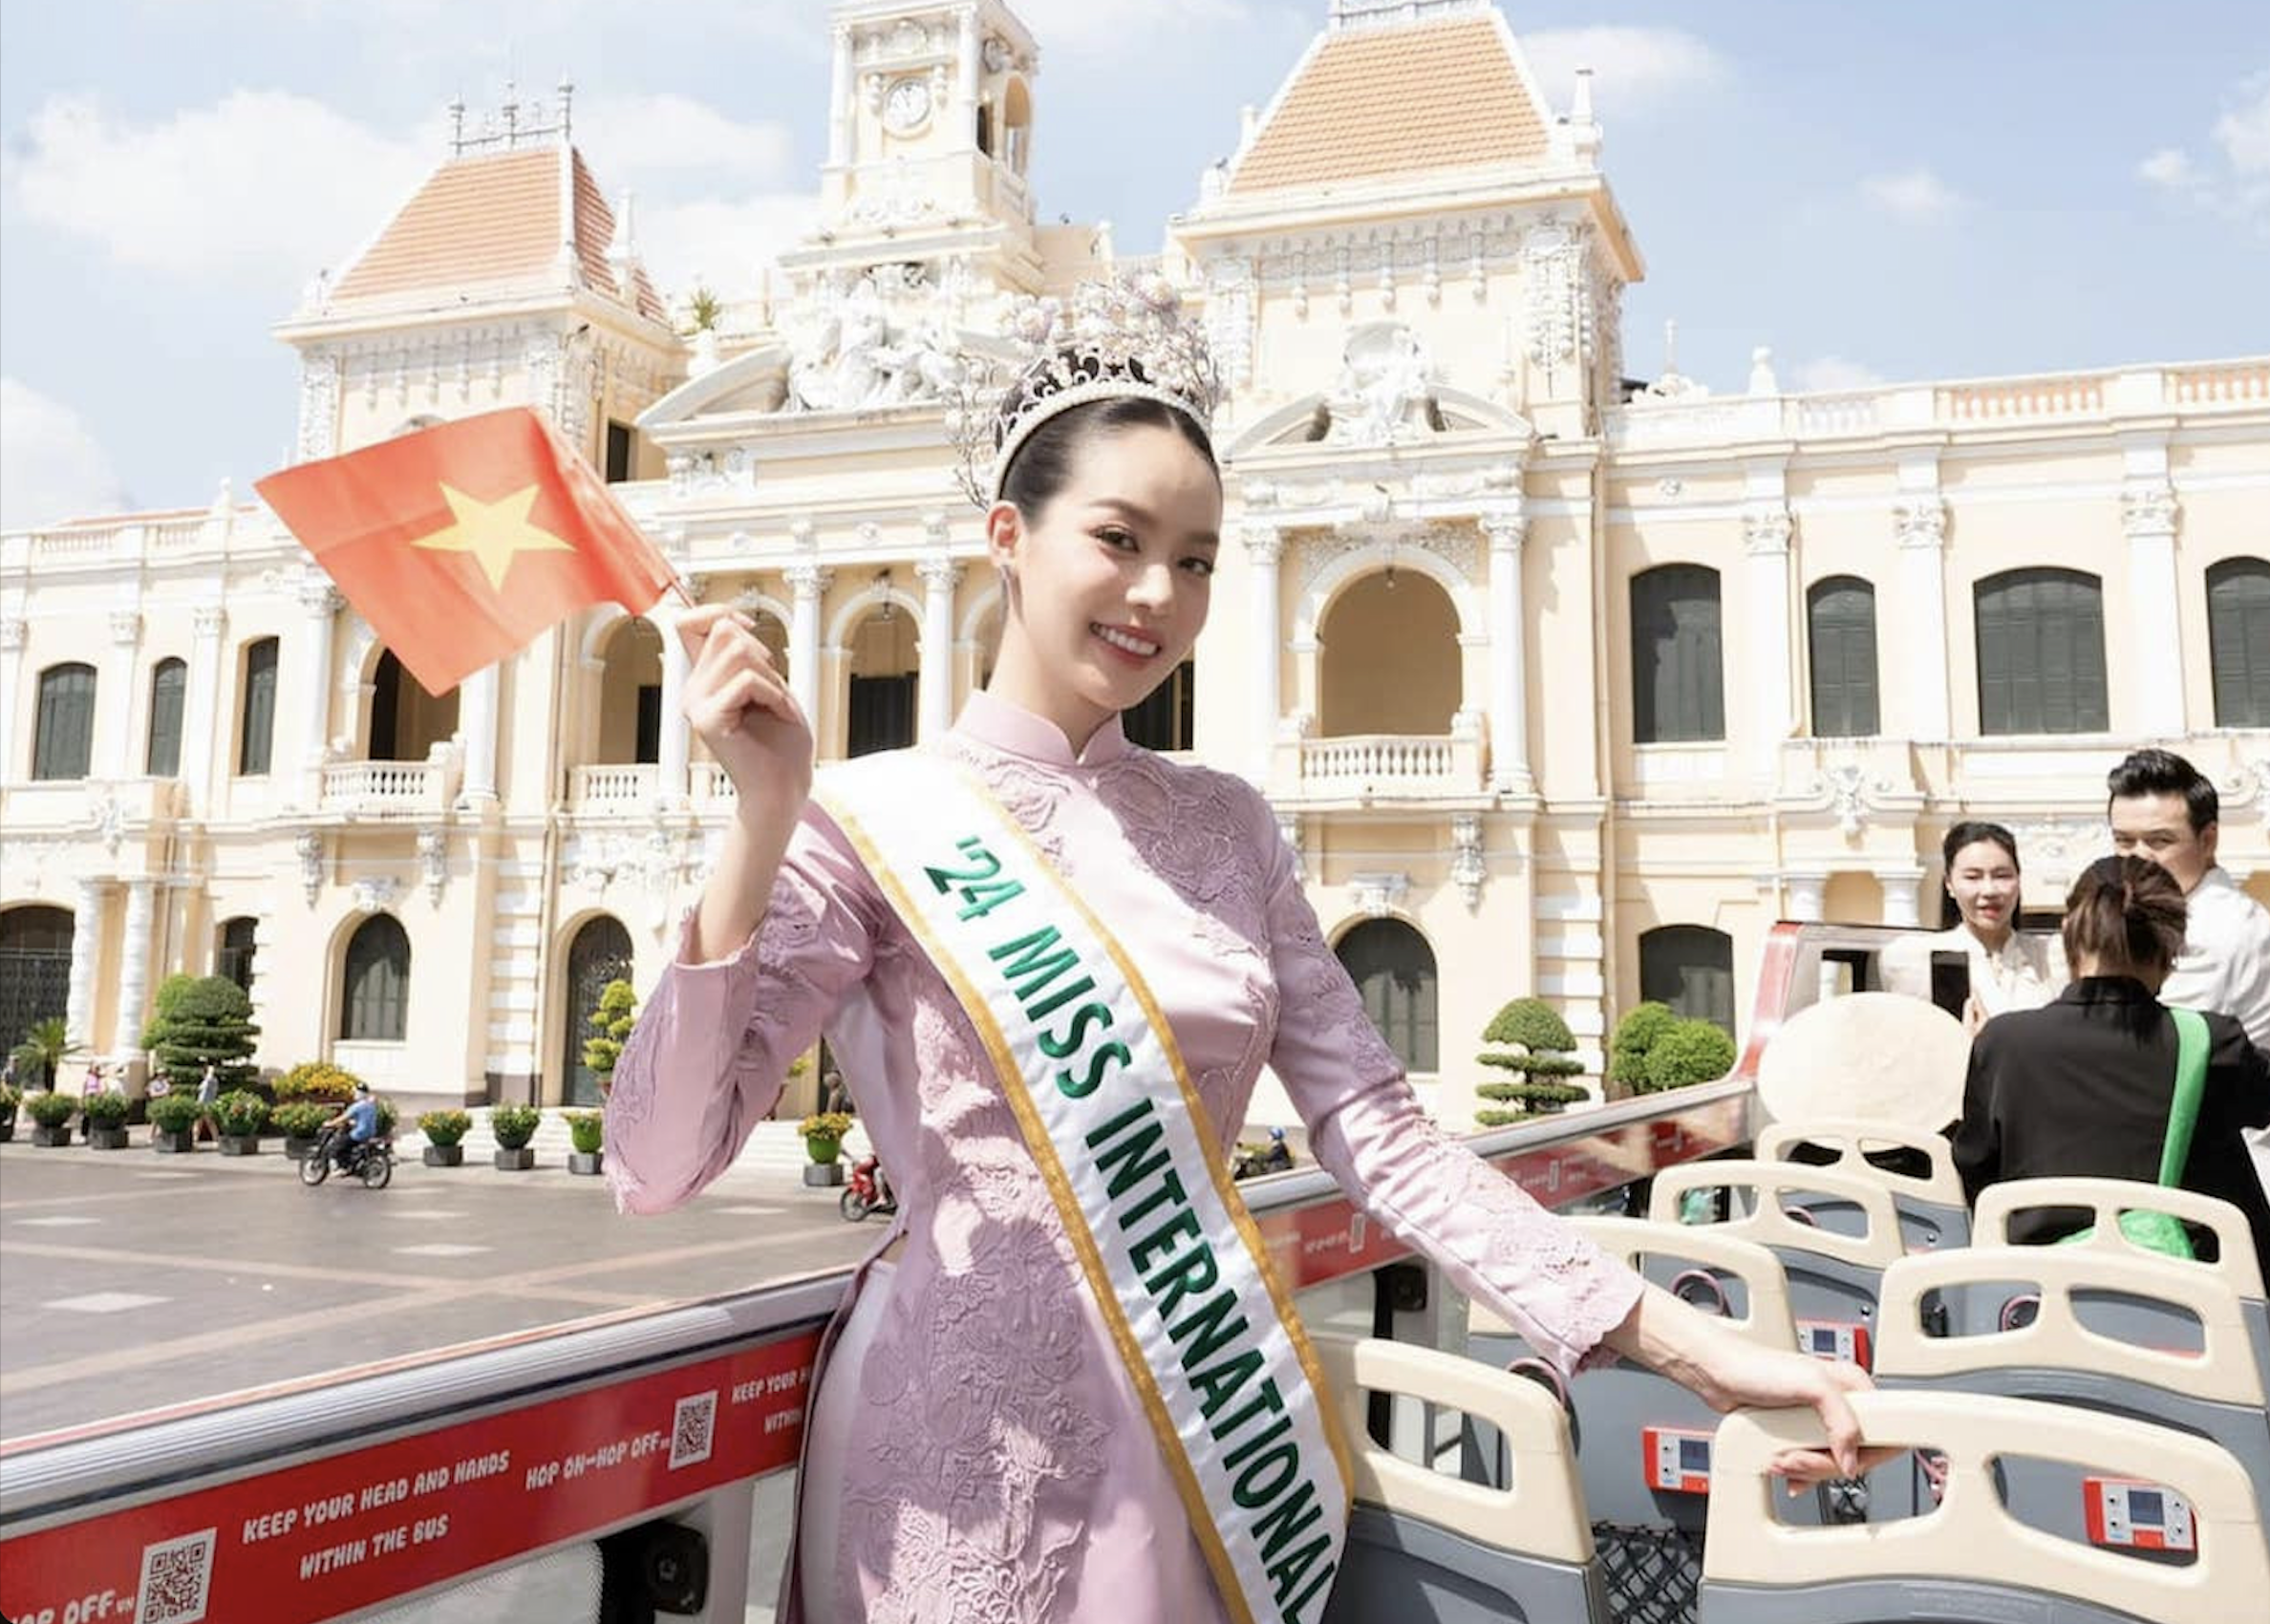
column 2082, row 1087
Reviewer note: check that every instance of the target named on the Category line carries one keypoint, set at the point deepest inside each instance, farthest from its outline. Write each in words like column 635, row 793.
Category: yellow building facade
column 1560, row 683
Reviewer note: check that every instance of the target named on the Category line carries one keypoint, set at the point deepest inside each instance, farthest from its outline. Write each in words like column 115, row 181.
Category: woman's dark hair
column 1042, row 465
column 1971, row 833
column 2124, row 912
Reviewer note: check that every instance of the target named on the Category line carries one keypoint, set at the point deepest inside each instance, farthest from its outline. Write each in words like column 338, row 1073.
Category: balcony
column 712, row 787
column 616, row 787
column 388, row 789
column 1380, row 768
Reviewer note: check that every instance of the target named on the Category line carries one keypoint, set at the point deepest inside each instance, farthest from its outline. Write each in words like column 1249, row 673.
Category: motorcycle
column 868, row 1191
column 371, row 1161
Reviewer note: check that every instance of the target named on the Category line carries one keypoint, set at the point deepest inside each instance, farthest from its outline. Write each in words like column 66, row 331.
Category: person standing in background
column 2009, row 970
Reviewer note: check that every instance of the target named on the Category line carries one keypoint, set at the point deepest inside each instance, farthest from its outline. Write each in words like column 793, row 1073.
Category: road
column 129, row 1280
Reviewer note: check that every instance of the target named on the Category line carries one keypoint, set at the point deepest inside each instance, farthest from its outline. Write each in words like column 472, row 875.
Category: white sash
column 1210, row 1339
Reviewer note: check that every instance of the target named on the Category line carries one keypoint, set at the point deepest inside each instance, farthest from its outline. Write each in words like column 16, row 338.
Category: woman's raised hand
column 739, row 703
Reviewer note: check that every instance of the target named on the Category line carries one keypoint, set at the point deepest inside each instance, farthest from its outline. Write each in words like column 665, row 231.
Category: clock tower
column 930, row 132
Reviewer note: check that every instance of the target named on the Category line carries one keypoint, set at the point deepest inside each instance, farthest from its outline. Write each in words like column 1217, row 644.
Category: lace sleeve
column 714, row 1041
column 1561, row 1292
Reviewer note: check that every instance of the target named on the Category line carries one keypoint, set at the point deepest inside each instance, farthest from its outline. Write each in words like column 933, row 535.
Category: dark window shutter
column 1690, row 968
column 2041, row 645
column 375, row 1002
column 256, row 749
column 63, row 742
column 2239, row 641
column 1841, row 620
column 169, row 682
column 1393, row 970
column 1678, row 681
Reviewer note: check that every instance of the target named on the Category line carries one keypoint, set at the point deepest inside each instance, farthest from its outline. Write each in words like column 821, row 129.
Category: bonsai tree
column 613, row 1021
column 44, row 1049
column 1691, row 1051
column 1635, row 1034
column 162, row 1004
column 1538, row 1049
column 210, row 1022
column 444, row 1127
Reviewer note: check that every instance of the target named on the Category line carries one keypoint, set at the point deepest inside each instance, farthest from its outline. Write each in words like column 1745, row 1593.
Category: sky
column 1878, row 192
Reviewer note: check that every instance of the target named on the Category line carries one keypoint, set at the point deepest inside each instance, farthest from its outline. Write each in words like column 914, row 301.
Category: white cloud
column 2234, row 180
column 1914, row 195
column 1834, row 375
column 641, row 139
column 720, row 242
column 1633, row 67
column 2243, row 133
column 1092, row 27
column 51, row 467
column 2171, row 168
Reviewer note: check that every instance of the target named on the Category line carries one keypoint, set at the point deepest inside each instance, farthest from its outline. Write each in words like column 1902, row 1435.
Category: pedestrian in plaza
column 208, row 1090
column 1062, row 959
column 2008, row 969
column 2164, row 810
column 834, row 1096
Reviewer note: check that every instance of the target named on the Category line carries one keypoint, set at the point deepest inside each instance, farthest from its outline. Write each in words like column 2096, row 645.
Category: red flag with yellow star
column 461, row 542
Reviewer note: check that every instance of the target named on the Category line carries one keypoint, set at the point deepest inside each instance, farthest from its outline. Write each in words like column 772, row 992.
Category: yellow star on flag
column 494, row 532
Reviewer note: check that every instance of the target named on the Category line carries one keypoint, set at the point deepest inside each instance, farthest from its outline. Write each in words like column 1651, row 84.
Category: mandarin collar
column 998, row 724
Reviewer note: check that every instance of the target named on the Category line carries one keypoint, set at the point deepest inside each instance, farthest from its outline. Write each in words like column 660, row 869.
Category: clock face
column 906, row 105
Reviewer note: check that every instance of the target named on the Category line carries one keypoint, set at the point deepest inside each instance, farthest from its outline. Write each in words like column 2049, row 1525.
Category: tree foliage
column 1691, row 1051
column 1539, row 1050
column 162, row 1004
column 40, row 1054
column 613, row 1021
column 210, row 1022
column 1635, row 1034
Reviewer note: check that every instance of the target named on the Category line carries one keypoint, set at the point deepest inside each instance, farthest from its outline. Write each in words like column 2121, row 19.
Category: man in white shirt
column 2163, row 808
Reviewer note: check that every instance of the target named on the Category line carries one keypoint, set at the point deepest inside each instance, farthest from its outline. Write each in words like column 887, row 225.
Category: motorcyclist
column 1278, row 1157
column 360, row 1119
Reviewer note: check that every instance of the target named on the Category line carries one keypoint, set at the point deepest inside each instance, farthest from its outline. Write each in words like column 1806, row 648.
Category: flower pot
column 823, row 1148
column 443, row 1156
column 6, row 1128
column 298, row 1146
column 517, row 1159
column 106, row 1138
column 240, row 1144
column 183, row 1143
column 586, row 1160
column 822, row 1175
column 52, row 1137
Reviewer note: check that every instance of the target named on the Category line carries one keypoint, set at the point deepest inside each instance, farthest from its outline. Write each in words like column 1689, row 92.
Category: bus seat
column 1428, row 1547
column 1831, row 1270
column 1971, row 1559
column 2120, row 1364
column 1932, row 1214
column 2234, row 1263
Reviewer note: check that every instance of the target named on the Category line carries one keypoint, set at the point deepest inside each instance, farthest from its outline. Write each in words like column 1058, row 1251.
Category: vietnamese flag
column 461, row 542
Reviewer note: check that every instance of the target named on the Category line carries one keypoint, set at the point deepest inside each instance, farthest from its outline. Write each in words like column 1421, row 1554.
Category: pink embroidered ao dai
column 998, row 1470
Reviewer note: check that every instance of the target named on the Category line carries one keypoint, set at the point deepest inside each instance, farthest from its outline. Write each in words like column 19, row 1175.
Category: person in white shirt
column 2163, row 808
column 2009, row 970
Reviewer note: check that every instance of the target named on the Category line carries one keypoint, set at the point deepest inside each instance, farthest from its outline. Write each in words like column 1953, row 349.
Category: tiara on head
column 1117, row 340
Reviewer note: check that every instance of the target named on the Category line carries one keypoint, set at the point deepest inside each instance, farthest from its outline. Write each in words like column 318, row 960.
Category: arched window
column 1691, row 968
column 2041, row 653
column 1840, row 622
column 2239, row 641
column 885, row 683
column 35, row 969
column 64, row 745
column 374, row 995
column 600, row 954
column 232, row 954
column 1163, row 720
column 1391, row 661
column 169, row 681
column 257, row 734
column 1677, row 690
column 1394, row 969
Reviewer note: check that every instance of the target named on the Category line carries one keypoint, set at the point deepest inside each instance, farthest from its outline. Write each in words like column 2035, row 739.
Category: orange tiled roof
column 1379, row 102
column 492, row 222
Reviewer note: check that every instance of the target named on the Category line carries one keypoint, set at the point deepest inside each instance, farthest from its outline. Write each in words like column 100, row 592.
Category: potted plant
column 514, row 1125
column 106, row 1115
column 241, row 1113
column 587, row 1131
column 444, row 1134
column 613, row 1021
column 823, row 1143
column 302, row 1123
column 172, row 1124
column 10, row 1098
column 51, row 1117
column 39, row 1057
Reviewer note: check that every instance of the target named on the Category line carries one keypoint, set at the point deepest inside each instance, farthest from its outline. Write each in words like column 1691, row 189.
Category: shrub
column 444, row 1127
column 826, row 1125
column 1691, row 1051
column 514, row 1125
column 1635, row 1034
column 1541, row 1043
column 50, row 1109
column 10, row 1097
column 240, row 1112
column 388, row 1115
column 586, row 1131
column 164, row 1004
column 44, row 1049
column 302, row 1118
column 173, row 1113
column 108, row 1109
column 318, row 1081
column 613, row 1021
column 211, row 1021
column 1533, row 1023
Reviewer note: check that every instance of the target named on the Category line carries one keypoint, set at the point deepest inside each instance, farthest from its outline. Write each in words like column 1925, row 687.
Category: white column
column 805, row 582
column 1265, row 547
column 1806, row 895
column 477, row 724
column 1903, row 895
column 13, row 631
column 321, row 606
column 113, row 715
column 1509, row 655
column 1766, row 540
column 86, row 946
column 934, row 709
column 2147, row 517
column 839, row 101
column 134, row 972
column 201, row 737
column 965, row 87
column 670, row 772
column 1921, row 526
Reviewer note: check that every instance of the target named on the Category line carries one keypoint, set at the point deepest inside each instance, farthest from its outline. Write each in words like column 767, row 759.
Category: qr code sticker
column 693, row 1429
column 177, row 1579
